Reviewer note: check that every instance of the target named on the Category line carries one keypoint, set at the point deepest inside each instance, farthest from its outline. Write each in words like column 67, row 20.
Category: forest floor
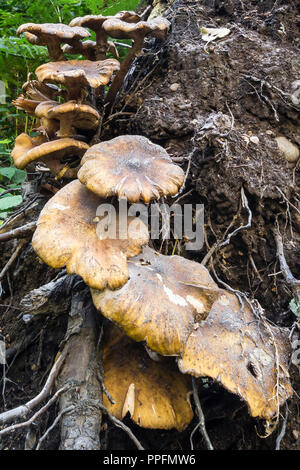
column 217, row 108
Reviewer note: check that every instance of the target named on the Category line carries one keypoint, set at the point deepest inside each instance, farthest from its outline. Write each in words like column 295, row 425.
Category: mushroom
column 41, row 91
column 25, row 104
column 78, row 74
column 48, row 126
column 89, row 49
column 160, row 304
column 154, row 394
column 173, row 305
column 248, row 356
column 31, row 149
column 72, row 114
column 118, row 29
column 67, row 235
column 52, row 35
column 95, row 23
column 130, row 166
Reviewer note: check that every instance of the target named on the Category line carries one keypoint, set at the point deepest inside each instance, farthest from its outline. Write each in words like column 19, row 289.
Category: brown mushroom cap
column 29, row 149
column 50, row 126
column 235, row 348
column 52, row 35
column 81, row 116
column 128, row 16
column 130, row 166
column 24, row 145
column 93, row 22
column 44, row 32
column 205, row 326
column 119, row 29
column 163, row 299
column 67, row 235
column 155, row 394
column 75, row 74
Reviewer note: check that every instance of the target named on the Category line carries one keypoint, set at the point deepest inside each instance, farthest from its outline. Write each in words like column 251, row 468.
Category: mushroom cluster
column 69, row 96
column 169, row 304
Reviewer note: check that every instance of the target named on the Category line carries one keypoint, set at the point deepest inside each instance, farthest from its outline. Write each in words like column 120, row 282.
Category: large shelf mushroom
column 132, row 167
column 67, row 235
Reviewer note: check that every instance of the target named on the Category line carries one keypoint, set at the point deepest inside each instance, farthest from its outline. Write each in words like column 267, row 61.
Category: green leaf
column 8, row 172
column 19, row 176
column 8, row 202
column 295, row 307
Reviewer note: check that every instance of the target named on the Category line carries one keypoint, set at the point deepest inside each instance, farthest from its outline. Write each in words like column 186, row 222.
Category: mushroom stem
column 101, row 44
column 65, row 129
column 55, row 52
column 119, row 78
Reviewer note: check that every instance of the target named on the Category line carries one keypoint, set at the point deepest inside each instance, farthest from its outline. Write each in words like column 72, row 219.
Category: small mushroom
column 52, row 35
column 95, row 23
column 247, row 357
column 118, row 28
column 132, row 167
column 72, row 114
column 49, row 126
column 67, row 235
column 154, row 394
column 89, row 49
column 31, row 149
column 163, row 299
column 78, row 74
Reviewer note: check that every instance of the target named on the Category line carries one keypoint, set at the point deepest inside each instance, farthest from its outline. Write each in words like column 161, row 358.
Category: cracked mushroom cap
column 25, row 104
column 67, row 235
column 39, row 91
column 235, row 347
column 162, row 301
column 30, row 149
column 132, row 167
column 120, row 29
column 155, row 394
column 75, row 74
column 81, row 116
